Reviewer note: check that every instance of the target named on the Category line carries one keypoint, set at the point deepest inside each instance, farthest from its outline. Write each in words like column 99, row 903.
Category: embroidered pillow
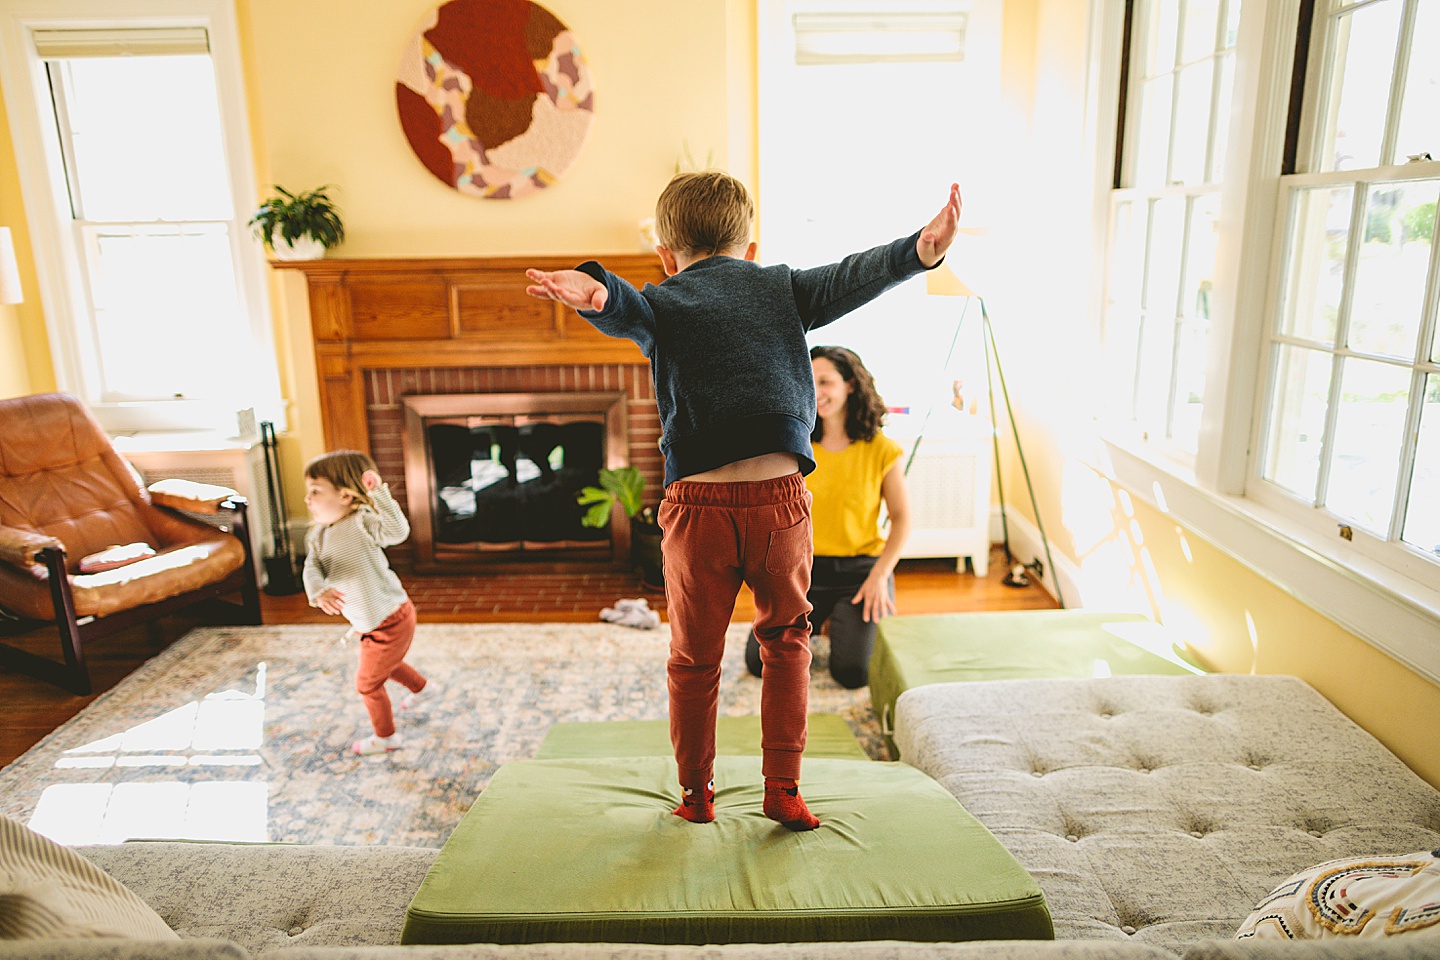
column 1356, row 897
column 50, row 893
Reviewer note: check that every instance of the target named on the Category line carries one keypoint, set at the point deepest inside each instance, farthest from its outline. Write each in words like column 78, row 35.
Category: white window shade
column 126, row 42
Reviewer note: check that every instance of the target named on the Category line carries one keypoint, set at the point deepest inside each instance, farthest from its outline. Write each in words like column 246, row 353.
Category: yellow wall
column 667, row 76
column 25, row 365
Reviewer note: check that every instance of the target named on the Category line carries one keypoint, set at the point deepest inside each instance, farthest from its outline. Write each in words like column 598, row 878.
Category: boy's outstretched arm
column 576, row 290
column 939, row 233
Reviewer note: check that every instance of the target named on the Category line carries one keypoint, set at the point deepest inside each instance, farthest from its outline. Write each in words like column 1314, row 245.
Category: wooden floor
column 34, row 708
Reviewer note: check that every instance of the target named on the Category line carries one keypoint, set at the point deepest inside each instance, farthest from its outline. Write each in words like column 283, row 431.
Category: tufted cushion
column 1362, row 898
column 1164, row 808
column 265, row 896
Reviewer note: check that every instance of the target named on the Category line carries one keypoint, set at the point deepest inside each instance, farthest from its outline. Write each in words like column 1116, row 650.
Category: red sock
column 784, row 804
column 697, row 805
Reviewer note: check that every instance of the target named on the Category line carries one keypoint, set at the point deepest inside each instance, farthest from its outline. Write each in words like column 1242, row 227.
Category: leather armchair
column 65, row 494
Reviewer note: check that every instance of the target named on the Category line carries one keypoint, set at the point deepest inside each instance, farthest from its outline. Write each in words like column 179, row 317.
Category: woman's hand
column 330, row 600
column 874, row 598
column 371, row 479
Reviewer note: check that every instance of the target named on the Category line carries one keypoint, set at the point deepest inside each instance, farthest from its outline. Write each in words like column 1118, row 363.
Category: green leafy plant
column 624, row 486
column 293, row 216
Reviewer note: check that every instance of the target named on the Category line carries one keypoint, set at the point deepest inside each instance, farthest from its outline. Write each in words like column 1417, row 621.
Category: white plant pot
column 304, row 248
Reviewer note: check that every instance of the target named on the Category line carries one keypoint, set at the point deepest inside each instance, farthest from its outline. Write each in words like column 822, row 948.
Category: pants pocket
column 788, row 549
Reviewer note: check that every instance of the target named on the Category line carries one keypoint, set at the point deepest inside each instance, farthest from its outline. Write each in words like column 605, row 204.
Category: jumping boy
column 726, row 342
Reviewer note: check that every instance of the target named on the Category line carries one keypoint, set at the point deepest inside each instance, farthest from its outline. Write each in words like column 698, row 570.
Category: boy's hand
column 371, row 479
column 330, row 600
column 576, row 290
column 939, row 233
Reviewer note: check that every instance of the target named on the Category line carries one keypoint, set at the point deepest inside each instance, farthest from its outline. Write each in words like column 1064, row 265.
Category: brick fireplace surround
column 387, row 329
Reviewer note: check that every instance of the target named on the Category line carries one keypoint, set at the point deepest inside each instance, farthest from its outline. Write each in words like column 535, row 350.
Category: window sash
column 59, row 262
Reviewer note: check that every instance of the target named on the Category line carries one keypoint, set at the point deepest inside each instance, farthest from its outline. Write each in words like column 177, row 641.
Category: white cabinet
column 949, row 485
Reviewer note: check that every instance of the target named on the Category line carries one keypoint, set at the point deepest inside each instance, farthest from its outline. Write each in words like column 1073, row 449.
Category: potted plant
column 298, row 226
column 626, row 487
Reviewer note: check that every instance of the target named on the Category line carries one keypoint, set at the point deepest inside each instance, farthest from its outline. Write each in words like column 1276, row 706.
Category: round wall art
column 494, row 97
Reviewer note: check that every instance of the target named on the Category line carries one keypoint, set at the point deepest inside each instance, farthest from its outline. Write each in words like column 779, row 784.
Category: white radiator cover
column 949, row 487
column 238, row 466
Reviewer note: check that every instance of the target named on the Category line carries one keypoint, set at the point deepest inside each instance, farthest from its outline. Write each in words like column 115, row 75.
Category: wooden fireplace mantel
column 379, row 314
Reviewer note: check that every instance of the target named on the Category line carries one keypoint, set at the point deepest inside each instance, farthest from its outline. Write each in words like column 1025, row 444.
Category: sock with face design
column 697, row 804
column 784, row 805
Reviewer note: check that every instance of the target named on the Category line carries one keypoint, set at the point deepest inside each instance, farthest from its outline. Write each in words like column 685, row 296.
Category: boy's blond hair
column 343, row 470
column 704, row 213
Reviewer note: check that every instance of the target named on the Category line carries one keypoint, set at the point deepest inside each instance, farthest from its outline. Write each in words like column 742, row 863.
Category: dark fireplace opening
column 511, row 484
column 492, row 479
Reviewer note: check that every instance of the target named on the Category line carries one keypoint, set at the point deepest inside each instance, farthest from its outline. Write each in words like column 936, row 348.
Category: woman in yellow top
column 856, row 467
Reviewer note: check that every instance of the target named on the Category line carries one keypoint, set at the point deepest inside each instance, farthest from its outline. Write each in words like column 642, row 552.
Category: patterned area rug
column 243, row 733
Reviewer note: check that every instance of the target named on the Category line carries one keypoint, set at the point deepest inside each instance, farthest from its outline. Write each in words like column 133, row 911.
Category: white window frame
column 1215, row 497
column 58, row 260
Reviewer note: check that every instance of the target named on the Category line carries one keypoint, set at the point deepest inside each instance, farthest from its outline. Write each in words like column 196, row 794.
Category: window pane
column 1192, row 123
column 1301, row 394
column 1232, row 24
column 1122, row 313
column 146, row 136
column 1152, row 139
column 1163, row 18
column 1222, row 123
column 1360, row 86
column 1198, row 39
column 1420, row 110
column 1389, row 298
column 165, row 296
column 1315, row 275
column 1194, row 344
column 1422, row 515
column 1369, row 429
column 1162, row 291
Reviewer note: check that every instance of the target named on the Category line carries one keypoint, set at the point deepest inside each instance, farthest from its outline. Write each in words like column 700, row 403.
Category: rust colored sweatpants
column 717, row 536
column 382, row 657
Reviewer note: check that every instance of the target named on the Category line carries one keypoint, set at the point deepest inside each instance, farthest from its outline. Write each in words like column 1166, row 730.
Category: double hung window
column 1164, row 215
column 134, row 157
column 1351, row 407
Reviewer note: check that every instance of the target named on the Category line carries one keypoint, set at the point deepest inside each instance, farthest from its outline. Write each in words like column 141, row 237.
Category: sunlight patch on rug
column 243, row 733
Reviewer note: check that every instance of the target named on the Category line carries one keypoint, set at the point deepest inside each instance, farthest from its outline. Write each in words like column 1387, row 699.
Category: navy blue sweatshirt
column 726, row 344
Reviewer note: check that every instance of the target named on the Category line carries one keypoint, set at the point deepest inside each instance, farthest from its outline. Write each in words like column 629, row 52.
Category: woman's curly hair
column 864, row 410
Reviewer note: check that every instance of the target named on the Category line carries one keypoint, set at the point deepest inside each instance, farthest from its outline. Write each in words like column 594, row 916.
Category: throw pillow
column 118, row 556
column 1356, row 897
column 51, row 893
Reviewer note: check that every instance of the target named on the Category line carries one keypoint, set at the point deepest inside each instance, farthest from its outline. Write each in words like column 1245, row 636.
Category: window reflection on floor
column 223, row 729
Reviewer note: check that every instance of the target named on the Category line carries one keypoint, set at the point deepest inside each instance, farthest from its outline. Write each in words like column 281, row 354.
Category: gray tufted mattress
column 1161, row 809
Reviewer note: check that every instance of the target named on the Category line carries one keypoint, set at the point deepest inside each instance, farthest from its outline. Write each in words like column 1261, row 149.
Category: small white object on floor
column 632, row 613
column 372, row 745
column 622, row 607
column 421, row 698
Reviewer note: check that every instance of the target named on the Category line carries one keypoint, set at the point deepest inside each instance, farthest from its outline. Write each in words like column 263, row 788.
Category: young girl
column 346, row 574
column 856, row 466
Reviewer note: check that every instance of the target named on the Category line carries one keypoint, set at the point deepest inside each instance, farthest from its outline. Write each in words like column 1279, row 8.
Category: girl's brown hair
column 864, row 410
column 704, row 213
column 343, row 469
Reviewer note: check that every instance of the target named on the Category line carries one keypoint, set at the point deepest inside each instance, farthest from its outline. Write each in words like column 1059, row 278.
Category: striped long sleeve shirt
column 348, row 556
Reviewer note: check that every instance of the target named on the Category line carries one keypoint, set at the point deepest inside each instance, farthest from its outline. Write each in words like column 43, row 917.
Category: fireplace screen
column 494, row 477
column 512, row 485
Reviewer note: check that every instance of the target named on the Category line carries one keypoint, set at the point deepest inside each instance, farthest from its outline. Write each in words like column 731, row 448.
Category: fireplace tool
column 280, row 577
